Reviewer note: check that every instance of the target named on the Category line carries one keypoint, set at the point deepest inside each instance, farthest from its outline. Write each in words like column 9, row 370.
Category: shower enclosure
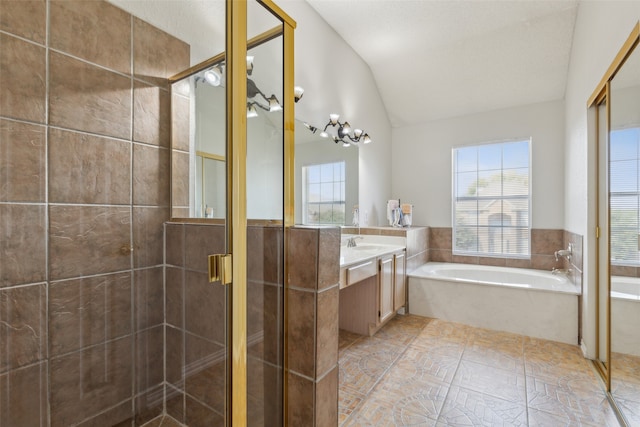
column 107, row 314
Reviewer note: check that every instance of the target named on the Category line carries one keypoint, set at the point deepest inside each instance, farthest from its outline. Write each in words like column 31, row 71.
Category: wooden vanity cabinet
column 400, row 281
column 385, row 288
column 391, row 285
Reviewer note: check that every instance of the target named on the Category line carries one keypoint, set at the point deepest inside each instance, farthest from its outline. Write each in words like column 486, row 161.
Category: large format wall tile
column 88, row 169
column 149, row 358
column 200, row 241
column 22, row 162
column 303, row 272
column 95, row 31
column 179, row 179
column 22, row 244
column 24, row 18
column 151, row 176
column 205, row 371
column 156, row 54
column 301, row 332
column 90, row 381
column 89, row 311
column 23, row 331
column 23, row 397
column 205, row 307
column 151, row 114
column 87, row 240
column 180, row 123
column 88, row 98
column 22, row 79
column 149, row 297
column 148, row 236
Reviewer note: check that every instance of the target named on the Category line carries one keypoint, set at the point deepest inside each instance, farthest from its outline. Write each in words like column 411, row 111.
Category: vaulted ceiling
column 438, row 59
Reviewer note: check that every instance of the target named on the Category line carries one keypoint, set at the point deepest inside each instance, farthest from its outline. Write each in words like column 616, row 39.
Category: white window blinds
column 624, row 193
column 491, row 199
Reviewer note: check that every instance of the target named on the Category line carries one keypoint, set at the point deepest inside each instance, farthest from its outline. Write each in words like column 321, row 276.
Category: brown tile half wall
column 84, row 161
column 312, row 320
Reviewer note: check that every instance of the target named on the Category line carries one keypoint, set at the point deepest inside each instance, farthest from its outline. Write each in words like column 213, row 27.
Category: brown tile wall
column 84, row 161
column 544, row 243
column 195, row 325
column 312, row 319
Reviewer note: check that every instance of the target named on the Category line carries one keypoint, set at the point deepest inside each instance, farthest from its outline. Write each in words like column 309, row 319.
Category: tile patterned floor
column 625, row 385
column 427, row 372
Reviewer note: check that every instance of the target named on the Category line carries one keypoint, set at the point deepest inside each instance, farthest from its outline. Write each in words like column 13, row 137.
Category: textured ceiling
column 438, row 59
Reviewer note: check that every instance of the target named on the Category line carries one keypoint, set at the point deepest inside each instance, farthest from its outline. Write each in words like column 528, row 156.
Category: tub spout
column 565, row 253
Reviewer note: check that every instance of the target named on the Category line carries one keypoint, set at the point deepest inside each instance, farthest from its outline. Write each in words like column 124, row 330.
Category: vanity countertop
column 365, row 250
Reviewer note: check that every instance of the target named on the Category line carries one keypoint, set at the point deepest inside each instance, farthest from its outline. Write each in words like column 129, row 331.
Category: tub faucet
column 564, row 271
column 566, row 253
column 351, row 241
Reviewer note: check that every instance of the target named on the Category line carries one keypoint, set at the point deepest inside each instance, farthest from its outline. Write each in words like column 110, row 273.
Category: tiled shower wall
column 84, row 191
column 196, row 316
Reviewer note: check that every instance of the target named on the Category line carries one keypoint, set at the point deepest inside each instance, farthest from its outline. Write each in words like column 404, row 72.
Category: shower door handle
column 220, row 268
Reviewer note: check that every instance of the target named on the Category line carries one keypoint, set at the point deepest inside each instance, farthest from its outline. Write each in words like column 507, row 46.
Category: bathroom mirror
column 624, row 208
column 198, row 135
column 326, row 179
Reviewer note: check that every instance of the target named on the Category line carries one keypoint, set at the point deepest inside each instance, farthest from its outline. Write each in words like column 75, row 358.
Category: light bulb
column 249, row 64
column 333, row 118
column 251, row 111
column 297, row 93
column 274, row 105
column 366, row 139
column 213, row 76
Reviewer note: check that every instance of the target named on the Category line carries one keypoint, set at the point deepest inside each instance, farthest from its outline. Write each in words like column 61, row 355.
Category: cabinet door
column 399, row 297
column 386, row 287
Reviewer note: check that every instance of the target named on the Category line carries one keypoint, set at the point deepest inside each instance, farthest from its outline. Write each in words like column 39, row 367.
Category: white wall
column 337, row 80
column 421, row 160
column 601, row 29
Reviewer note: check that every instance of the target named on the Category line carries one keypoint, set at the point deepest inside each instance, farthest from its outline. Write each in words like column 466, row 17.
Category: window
column 491, row 199
column 323, row 194
column 624, row 195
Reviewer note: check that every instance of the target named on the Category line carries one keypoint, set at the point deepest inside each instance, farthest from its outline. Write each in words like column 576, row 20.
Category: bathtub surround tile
column 151, row 114
column 497, row 262
column 22, row 162
column 86, row 169
column 199, row 415
column 546, row 241
column 440, row 255
column 151, row 178
column 148, row 235
column 89, row 311
column 543, row 262
column 105, row 29
column 86, row 240
column 22, row 98
column 22, row 326
column 88, row 98
column 22, row 244
column 23, row 396
column 440, row 238
column 156, row 54
column 25, row 19
column 205, row 372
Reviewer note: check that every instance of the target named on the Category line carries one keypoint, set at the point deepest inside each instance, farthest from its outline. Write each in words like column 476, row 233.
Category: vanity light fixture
column 213, row 76
column 344, row 132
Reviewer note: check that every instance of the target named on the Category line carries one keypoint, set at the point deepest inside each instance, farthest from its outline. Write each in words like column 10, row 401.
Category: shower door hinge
column 597, row 232
column 220, row 268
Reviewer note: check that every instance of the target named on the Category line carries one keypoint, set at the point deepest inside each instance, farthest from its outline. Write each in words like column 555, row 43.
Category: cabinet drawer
column 361, row 271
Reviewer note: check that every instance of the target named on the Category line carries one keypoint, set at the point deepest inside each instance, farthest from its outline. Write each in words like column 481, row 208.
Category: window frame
column 305, row 188
column 528, row 198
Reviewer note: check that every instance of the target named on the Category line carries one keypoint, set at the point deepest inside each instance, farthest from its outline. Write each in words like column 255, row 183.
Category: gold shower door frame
column 236, row 48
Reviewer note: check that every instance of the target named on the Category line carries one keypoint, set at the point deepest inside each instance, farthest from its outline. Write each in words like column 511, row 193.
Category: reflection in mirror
column 326, row 179
column 199, row 129
column 624, row 205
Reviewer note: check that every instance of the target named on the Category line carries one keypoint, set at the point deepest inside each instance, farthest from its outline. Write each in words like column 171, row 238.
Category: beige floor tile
column 417, row 365
column 465, row 407
column 492, row 381
column 347, row 403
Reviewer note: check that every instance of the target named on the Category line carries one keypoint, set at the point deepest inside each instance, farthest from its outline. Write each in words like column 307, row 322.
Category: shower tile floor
column 427, row 372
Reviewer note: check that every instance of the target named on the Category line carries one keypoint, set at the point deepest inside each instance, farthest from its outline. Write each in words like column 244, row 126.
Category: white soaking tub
column 625, row 315
column 535, row 303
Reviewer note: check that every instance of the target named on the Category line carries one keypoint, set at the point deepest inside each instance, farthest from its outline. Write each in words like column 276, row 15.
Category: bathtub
column 529, row 302
column 625, row 315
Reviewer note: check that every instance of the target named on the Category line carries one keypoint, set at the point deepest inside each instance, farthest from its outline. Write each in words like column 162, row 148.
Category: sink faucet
column 351, row 241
